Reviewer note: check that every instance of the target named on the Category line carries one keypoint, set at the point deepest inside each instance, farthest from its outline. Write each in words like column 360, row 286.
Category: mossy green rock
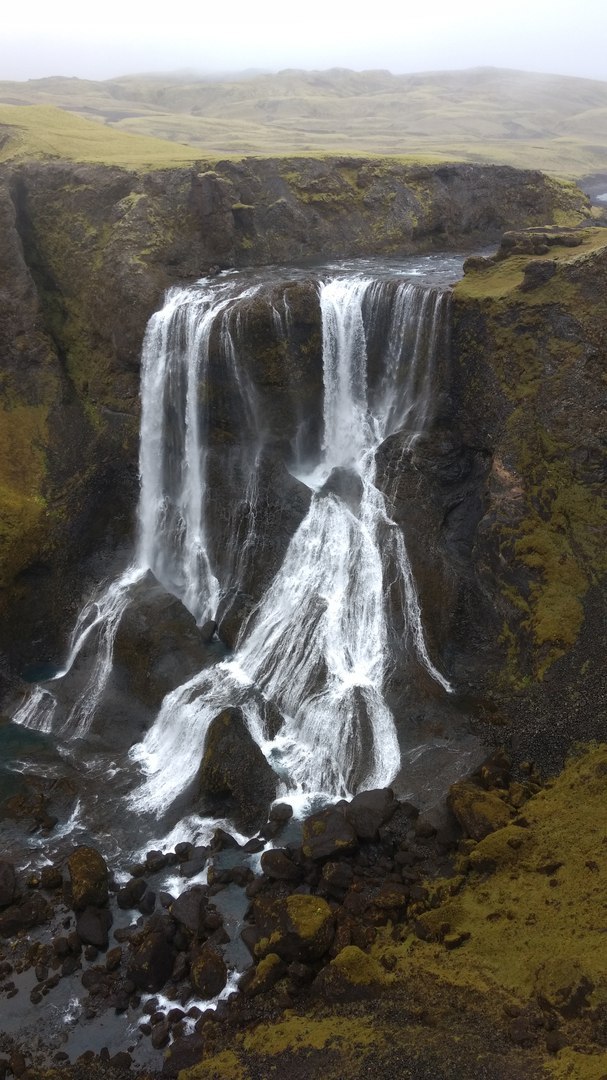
column 298, row 927
column 478, row 812
column 352, row 976
column 88, row 878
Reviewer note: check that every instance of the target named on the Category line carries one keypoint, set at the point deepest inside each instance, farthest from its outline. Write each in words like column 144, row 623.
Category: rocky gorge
column 500, row 501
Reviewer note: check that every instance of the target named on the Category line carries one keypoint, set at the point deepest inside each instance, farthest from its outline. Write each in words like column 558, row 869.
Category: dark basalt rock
column 345, row 483
column 208, row 973
column 152, row 962
column 158, row 645
column 327, row 833
column 190, row 909
column 8, row 883
column 93, row 925
column 369, row 810
column 234, row 775
column 130, row 894
column 277, row 865
column 33, row 911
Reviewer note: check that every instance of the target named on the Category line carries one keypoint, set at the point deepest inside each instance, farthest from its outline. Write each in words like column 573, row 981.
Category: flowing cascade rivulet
column 320, row 642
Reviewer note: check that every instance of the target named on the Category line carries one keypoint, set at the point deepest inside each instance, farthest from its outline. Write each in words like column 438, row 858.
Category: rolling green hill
column 557, row 123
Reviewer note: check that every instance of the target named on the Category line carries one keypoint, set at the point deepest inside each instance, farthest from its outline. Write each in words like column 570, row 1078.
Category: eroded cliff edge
column 88, row 252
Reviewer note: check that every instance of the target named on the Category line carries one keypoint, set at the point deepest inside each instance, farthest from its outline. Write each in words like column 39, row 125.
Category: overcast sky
column 116, row 37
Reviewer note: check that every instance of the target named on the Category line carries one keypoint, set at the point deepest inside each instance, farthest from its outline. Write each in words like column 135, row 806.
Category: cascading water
column 320, row 643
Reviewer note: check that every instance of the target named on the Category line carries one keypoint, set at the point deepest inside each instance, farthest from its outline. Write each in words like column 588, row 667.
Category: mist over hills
column 557, row 123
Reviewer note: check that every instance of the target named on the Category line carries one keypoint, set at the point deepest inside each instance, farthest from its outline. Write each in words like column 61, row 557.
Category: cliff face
column 87, row 253
column 508, row 495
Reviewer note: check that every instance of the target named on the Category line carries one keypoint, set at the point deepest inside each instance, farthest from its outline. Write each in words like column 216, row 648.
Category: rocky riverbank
column 468, row 948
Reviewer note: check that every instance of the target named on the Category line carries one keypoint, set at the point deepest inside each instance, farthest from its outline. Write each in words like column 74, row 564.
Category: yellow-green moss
column 23, row 438
column 546, row 898
column 357, row 967
column 224, row 1066
column 570, row 1064
column 308, row 915
column 298, row 1032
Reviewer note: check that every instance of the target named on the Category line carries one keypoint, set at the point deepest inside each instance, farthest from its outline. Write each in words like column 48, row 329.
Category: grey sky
column 122, row 36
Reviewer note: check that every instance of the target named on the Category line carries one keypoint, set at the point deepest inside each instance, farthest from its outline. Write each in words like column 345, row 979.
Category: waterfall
column 320, row 643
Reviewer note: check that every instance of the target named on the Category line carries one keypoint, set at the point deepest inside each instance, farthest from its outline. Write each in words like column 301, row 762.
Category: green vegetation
column 558, row 124
column 44, row 132
column 551, row 542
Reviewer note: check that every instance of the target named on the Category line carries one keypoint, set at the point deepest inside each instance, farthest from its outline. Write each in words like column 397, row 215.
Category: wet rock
column 51, row 878
column 184, row 1052
column 327, row 833
column 281, row 812
column 234, row 776
column 336, row 876
column 113, row 959
column 346, row 484
column 158, row 645
column 183, row 851
column 17, row 1063
column 369, row 810
column 277, row 865
column 8, row 883
column 298, row 927
column 479, row 812
column 208, row 973
column 208, row 631
column 93, row 925
column 33, row 911
column 147, row 903
column 190, row 909
column 160, row 1034
column 88, row 879
column 129, row 895
column 155, row 861
column 152, row 962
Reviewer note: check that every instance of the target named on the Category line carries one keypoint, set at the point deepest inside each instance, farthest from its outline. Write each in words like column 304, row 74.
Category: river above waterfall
column 328, row 623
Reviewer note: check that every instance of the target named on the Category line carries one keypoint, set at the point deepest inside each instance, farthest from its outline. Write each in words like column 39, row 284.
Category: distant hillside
column 557, row 123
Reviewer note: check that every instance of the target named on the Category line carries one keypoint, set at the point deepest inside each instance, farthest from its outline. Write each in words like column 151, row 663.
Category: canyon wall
column 503, row 493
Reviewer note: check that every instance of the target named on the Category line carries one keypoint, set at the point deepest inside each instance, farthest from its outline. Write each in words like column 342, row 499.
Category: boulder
column 158, row 645
column 479, row 812
column 234, row 776
column 297, row 927
column 190, row 909
column 327, row 833
column 208, row 973
column 93, row 926
column 369, row 810
column 351, row 976
column 262, row 977
column 33, row 911
column 88, row 879
column 277, row 865
column 152, row 962
column 131, row 893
